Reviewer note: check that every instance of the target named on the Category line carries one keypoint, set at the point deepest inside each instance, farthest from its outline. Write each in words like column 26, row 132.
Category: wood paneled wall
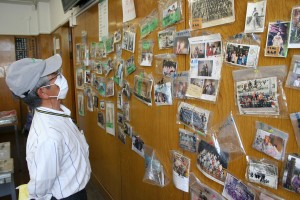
column 119, row 170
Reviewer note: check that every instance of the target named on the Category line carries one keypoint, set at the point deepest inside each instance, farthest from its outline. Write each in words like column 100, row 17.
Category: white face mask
column 62, row 83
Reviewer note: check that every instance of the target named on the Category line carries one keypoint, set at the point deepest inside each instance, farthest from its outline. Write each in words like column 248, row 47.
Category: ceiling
column 24, row 2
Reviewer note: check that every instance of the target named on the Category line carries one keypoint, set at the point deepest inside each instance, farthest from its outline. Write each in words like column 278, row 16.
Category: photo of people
column 169, row 68
column 205, row 67
column 211, row 162
column 235, row 189
column 130, row 66
column 211, row 12
column 79, row 78
column 197, row 50
column 213, row 49
column 294, row 33
column 101, row 50
column 255, row 17
column 269, row 143
column 187, row 140
column 80, row 103
column 237, row 54
column 200, row 191
column 101, row 120
column 258, row 96
column 179, row 88
column 120, row 118
column 110, row 118
column 128, row 42
column 293, row 79
column 181, row 171
column 142, row 89
column 110, row 88
column 127, row 129
column 87, row 76
column 138, row 145
column 166, row 38
column 102, row 105
column 210, row 87
column 146, row 59
column 291, row 175
column 121, row 135
column 181, row 45
column 276, row 44
column 163, row 94
column 170, row 9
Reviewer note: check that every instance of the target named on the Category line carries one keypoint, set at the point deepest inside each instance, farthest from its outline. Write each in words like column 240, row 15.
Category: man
column 56, row 151
column 297, row 82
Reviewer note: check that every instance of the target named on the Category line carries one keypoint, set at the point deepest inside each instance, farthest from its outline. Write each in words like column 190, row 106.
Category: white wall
column 18, row 19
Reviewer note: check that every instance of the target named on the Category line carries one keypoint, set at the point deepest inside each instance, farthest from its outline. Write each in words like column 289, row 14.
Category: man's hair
column 32, row 99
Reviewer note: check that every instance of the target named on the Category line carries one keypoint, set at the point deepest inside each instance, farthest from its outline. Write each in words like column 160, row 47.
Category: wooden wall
column 117, row 169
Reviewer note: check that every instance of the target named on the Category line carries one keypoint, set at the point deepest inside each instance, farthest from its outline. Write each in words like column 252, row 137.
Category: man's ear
column 41, row 93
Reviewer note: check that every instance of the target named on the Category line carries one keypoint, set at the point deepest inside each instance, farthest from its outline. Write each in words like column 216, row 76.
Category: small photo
column 121, row 135
column 198, row 50
column 293, row 79
column 142, row 89
column 146, row 59
column 163, row 94
column 269, row 144
column 80, row 101
column 127, row 129
column 169, row 68
column 235, row 189
column 90, row 102
column 294, row 33
column 117, row 36
column 95, row 101
column 208, row 154
column 210, row 87
column 128, row 42
column 79, row 78
column 110, row 88
column 181, row 45
column 99, row 67
column 181, row 165
column 187, row 140
column 166, row 39
column 138, row 145
column 213, row 49
column 205, row 67
column 87, row 76
column 277, row 39
column 110, row 118
column 255, row 17
column 126, row 111
column 101, row 120
column 170, row 9
column 291, row 174
column 237, row 54
column 120, row 118
column 78, row 58
column 180, row 88
column 130, row 66
column 102, row 105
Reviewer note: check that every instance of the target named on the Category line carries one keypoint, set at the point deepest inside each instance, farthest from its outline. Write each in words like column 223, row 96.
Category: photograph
column 213, row 49
column 99, row 67
column 95, row 101
column 294, row 33
column 270, row 143
column 126, row 111
column 262, row 172
column 138, row 145
column 128, row 42
column 255, row 17
column 277, row 39
column 90, row 101
column 291, row 174
column 212, row 162
column 101, row 86
column 181, row 45
column 146, row 59
column 79, row 78
column 110, row 118
column 121, row 135
column 293, row 79
column 295, row 119
column 194, row 117
column 102, row 105
column 163, row 94
column 181, row 171
column 205, row 67
column 117, row 36
column 187, row 140
column 100, row 50
column 110, row 88
column 126, row 90
column 171, row 13
column 78, row 58
column 197, row 50
column 101, row 120
column 242, row 55
column 119, row 100
column 109, row 44
column 180, row 85
column 127, row 129
column 142, row 89
column 210, row 87
column 234, row 189
column 120, row 118
column 80, row 101
column 200, row 191
column 169, row 68
column 166, row 38
column 208, row 13
column 87, row 76
column 195, row 88
column 130, row 66
column 258, row 96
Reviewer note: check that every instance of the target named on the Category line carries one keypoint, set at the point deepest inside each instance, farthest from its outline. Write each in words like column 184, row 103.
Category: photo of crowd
column 212, row 163
column 258, row 95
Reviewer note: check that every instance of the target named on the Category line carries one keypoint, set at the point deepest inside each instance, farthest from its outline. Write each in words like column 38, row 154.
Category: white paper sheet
column 128, row 10
column 103, row 18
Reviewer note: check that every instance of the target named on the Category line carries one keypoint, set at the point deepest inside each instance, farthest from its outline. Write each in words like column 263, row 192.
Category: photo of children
column 213, row 49
column 169, row 68
column 205, row 67
column 237, row 54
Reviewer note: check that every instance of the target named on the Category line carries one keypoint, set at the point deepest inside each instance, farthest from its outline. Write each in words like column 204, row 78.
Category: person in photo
column 55, row 171
column 297, row 82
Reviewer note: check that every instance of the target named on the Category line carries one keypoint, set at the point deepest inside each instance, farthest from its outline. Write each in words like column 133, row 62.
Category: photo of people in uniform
column 255, row 17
